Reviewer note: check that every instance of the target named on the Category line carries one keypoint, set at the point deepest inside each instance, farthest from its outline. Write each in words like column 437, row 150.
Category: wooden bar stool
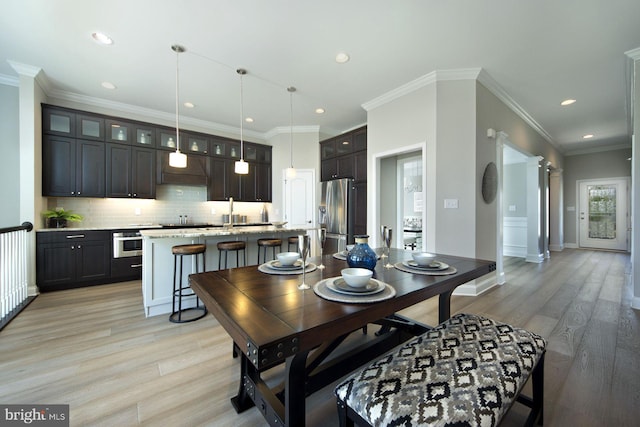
column 232, row 246
column 293, row 240
column 179, row 314
column 268, row 243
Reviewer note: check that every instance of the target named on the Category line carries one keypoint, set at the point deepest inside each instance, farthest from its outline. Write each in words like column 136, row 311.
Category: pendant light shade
column 177, row 159
column 291, row 172
column 241, row 167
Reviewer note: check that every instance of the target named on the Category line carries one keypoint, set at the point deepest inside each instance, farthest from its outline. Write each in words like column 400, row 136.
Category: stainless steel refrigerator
column 337, row 210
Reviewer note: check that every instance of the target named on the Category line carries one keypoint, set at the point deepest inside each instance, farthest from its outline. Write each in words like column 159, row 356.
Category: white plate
column 434, row 266
column 277, row 265
column 338, row 285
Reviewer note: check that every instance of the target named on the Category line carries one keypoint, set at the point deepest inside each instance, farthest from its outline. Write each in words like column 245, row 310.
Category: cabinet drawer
column 70, row 235
column 130, row 267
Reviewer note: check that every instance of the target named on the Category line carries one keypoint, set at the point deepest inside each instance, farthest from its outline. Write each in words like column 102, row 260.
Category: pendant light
column 291, row 172
column 177, row 159
column 241, row 167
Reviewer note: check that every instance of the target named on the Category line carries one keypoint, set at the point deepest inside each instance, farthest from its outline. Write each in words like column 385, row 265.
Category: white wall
column 607, row 164
column 306, row 155
column 493, row 113
column 456, row 176
column 10, row 148
column 406, row 121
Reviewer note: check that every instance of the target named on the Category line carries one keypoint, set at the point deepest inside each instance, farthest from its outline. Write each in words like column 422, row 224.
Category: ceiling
column 538, row 53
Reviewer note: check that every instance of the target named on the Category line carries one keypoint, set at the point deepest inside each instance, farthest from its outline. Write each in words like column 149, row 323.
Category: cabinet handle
column 135, row 195
column 78, row 193
column 136, row 265
column 76, row 236
column 79, row 247
column 73, row 192
column 129, row 194
column 72, row 247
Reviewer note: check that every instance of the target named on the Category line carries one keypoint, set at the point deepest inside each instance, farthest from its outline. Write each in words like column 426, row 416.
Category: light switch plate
column 451, row 203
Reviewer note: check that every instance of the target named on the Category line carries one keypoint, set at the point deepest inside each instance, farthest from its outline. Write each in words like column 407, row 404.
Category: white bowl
column 278, row 224
column 423, row 258
column 356, row 277
column 288, row 258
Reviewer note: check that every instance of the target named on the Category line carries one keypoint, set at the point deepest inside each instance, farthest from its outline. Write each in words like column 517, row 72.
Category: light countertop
column 216, row 231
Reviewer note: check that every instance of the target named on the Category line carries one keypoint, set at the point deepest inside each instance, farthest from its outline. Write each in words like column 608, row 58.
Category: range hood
column 196, row 172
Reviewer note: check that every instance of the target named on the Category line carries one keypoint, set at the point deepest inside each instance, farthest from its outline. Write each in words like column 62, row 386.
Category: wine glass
column 388, row 235
column 303, row 248
column 322, row 238
column 383, row 230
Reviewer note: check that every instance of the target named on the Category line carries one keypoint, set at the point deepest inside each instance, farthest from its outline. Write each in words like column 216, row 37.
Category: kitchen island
column 157, row 259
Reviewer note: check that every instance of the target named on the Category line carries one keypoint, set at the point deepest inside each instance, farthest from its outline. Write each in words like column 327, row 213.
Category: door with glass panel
column 603, row 215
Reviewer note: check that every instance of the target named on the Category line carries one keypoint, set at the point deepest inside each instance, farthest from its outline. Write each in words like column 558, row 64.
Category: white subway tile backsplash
column 171, row 202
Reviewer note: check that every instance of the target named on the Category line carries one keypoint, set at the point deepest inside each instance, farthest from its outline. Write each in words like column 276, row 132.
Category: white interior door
column 299, row 199
column 603, row 214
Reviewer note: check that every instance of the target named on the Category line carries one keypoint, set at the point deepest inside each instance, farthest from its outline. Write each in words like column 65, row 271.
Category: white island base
column 158, row 260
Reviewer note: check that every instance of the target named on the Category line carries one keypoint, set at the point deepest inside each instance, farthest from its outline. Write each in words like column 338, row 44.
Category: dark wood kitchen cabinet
column 72, row 167
column 253, row 187
column 360, row 208
column 69, row 259
column 196, row 172
column 343, row 156
column 256, row 185
column 131, row 172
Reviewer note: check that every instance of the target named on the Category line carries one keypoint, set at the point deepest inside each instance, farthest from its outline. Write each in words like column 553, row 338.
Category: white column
column 500, row 277
column 545, row 209
column 31, row 200
column 556, row 209
column 534, row 211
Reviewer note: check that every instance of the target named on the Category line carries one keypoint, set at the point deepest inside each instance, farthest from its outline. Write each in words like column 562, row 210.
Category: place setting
column 354, row 285
column 287, row 263
column 425, row 263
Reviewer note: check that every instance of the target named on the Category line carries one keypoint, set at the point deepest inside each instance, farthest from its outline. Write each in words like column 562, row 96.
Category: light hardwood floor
column 93, row 348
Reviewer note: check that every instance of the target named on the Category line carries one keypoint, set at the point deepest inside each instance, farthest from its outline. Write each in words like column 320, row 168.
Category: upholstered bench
column 467, row 371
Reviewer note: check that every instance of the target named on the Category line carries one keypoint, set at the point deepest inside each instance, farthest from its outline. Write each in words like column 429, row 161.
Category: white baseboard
column 477, row 286
column 571, row 245
column 515, row 251
column 635, row 303
column 556, row 248
column 537, row 258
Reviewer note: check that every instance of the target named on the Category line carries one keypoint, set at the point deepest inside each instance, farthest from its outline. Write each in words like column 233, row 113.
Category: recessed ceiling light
column 342, row 57
column 567, row 102
column 319, row 110
column 108, row 85
column 249, row 120
column 102, row 38
column 189, row 104
column 587, row 136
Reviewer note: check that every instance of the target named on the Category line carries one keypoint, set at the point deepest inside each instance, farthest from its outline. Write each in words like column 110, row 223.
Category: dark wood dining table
column 272, row 322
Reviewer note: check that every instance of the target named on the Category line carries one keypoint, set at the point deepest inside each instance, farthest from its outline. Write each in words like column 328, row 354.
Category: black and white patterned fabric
column 467, row 371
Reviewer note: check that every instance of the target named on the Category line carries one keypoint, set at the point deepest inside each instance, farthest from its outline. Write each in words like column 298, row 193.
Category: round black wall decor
column 490, row 183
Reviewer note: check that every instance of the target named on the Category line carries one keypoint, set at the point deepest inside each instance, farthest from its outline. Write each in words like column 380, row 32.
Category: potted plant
column 57, row 218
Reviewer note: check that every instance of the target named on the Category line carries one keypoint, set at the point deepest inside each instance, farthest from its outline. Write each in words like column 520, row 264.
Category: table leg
column 295, row 393
column 444, row 306
column 242, row 401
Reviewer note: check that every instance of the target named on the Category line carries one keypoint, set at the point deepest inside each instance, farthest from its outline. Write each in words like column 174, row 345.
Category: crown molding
column 597, row 149
column 148, row 112
column 420, row 82
column 478, row 74
column 487, row 81
column 32, row 72
column 9, row 80
column 633, row 54
column 285, row 130
column 401, row 91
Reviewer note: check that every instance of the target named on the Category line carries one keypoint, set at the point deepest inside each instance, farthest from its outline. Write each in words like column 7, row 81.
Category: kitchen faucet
column 230, row 223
